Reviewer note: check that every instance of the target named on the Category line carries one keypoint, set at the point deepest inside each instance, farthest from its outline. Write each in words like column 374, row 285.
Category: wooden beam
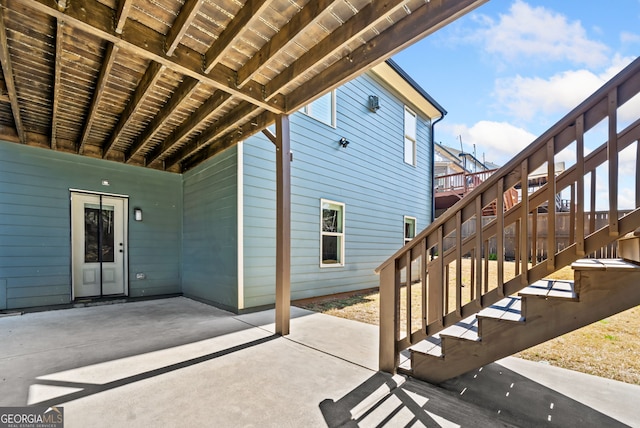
column 95, row 18
column 422, row 22
column 309, row 15
column 144, row 88
column 183, row 92
column 251, row 11
column 231, row 120
column 203, row 113
column 122, row 13
column 56, row 84
column 370, row 15
column 183, row 21
column 283, row 226
column 244, row 131
column 107, row 64
column 7, row 70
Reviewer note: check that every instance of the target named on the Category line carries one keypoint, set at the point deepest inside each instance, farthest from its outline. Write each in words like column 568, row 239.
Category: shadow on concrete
column 88, row 389
column 490, row 397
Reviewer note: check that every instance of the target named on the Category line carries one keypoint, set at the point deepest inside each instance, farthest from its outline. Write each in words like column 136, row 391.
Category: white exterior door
column 99, row 245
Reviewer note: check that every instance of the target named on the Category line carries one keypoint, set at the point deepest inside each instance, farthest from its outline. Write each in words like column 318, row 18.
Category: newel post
column 389, row 305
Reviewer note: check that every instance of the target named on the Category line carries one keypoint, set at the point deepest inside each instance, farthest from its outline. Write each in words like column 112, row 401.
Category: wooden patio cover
column 167, row 84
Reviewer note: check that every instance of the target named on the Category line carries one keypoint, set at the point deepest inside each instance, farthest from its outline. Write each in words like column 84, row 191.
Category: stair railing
column 422, row 288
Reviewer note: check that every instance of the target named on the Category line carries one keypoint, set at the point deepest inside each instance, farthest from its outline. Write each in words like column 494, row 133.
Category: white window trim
column 414, row 140
column 404, row 225
column 305, row 111
column 343, row 234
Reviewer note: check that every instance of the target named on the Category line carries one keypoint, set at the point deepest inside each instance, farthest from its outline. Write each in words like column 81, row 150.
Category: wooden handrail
column 444, row 302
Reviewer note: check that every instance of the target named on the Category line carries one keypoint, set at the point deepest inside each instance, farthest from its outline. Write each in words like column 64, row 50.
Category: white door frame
column 77, row 238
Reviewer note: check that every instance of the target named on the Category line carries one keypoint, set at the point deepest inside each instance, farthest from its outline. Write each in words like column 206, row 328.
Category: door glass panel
column 98, row 241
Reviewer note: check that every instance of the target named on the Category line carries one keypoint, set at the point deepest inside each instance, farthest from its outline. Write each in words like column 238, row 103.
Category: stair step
column 616, row 265
column 551, row 288
column 508, row 309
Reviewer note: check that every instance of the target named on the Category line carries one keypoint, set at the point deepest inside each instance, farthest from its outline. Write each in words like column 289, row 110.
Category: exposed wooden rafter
column 219, row 129
column 421, row 22
column 107, row 64
column 7, row 70
column 367, row 17
column 259, row 122
column 57, row 84
column 184, row 91
column 95, row 18
column 309, row 15
column 122, row 13
column 181, row 24
column 250, row 11
column 149, row 79
column 204, row 112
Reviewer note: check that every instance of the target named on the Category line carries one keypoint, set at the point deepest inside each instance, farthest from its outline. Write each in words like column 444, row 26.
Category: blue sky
column 510, row 69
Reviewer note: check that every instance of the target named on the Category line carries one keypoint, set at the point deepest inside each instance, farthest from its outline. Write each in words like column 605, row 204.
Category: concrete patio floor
column 180, row 363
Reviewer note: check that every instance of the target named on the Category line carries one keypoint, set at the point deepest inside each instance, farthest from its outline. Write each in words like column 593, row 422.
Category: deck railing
column 461, row 182
column 442, row 296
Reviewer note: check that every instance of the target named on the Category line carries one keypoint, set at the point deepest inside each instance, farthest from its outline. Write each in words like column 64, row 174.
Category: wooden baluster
column 407, row 261
column 500, row 236
column 637, row 176
column 612, row 155
column 524, row 220
column 478, row 273
column 551, row 216
column 443, row 283
column 580, row 186
column 592, row 216
column 534, row 237
column 459, row 263
column 423, row 283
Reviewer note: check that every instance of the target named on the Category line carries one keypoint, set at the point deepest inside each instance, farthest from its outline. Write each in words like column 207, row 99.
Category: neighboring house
column 361, row 185
column 452, row 161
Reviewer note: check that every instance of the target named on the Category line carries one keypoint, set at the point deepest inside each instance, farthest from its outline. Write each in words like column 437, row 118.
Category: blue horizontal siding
column 35, row 236
column 369, row 177
column 210, row 231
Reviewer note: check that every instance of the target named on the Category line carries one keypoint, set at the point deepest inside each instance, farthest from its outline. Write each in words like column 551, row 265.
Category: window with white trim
column 331, row 233
column 323, row 109
column 410, row 136
column 409, row 228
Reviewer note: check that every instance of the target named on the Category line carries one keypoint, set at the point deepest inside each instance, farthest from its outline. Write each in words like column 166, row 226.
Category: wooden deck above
column 167, row 84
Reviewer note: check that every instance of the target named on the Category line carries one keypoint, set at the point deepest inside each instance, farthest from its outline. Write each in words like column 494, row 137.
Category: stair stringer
column 600, row 295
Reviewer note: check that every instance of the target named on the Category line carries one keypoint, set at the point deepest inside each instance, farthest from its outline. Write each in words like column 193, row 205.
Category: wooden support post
column 283, row 226
column 389, row 309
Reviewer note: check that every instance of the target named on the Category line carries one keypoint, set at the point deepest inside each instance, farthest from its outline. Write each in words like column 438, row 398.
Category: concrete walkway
column 179, row 363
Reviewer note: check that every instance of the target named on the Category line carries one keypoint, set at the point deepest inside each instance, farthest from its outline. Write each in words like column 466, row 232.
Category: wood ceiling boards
column 167, row 84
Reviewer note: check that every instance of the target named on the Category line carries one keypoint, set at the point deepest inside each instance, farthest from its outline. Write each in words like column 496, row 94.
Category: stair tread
column 508, row 309
column 550, row 288
column 604, row 264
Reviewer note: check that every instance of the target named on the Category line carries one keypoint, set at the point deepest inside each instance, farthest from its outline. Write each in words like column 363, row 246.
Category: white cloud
column 526, row 98
column 496, row 142
column 541, row 33
column 631, row 38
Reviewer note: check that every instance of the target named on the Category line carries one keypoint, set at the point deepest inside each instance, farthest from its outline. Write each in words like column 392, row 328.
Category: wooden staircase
column 540, row 312
column 442, row 324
